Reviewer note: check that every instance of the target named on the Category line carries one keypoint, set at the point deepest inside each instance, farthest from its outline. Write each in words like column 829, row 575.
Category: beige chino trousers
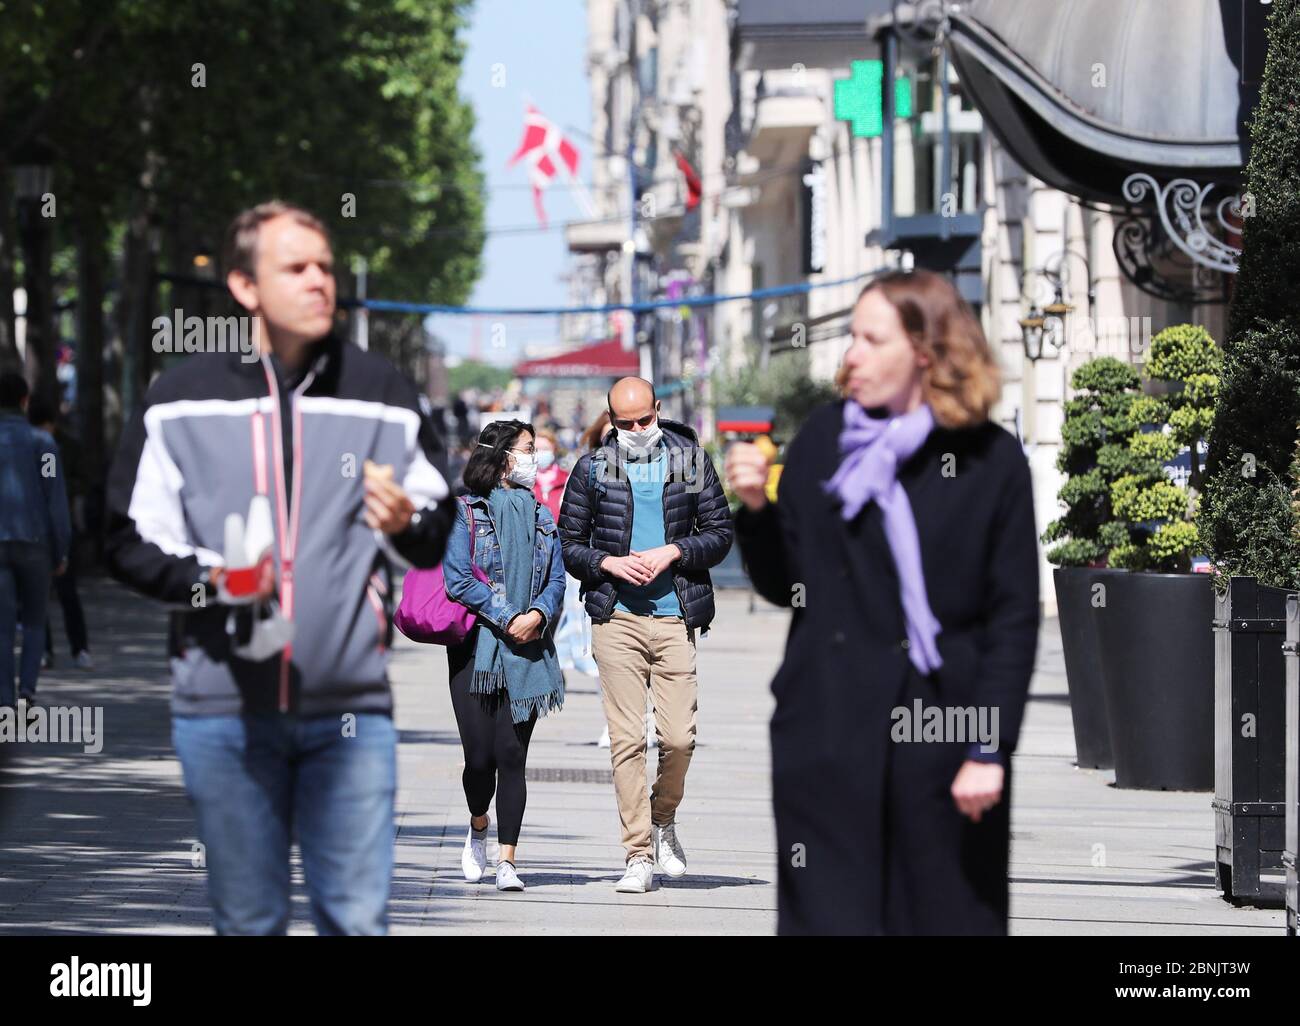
column 635, row 653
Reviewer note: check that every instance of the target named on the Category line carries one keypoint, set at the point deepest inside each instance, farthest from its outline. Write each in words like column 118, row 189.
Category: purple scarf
column 872, row 449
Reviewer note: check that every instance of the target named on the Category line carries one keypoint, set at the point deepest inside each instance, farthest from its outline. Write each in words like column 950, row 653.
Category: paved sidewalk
column 105, row 843
column 1089, row 858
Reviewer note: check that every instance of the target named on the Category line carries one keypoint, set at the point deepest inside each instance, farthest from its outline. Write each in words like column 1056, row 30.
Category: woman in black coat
column 884, row 827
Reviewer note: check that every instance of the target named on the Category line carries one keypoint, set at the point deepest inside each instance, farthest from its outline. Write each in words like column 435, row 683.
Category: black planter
column 1157, row 657
column 1082, row 651
column 1292, row 818
column 1249, row 736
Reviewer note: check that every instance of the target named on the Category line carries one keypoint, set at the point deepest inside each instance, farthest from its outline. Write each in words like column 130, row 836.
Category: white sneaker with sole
column 507, row 878
column 669, row 854
column 83, row 661
column 473, row 858
column 638, row 878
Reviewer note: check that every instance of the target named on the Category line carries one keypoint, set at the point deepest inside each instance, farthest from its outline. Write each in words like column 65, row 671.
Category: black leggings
column 496, row 749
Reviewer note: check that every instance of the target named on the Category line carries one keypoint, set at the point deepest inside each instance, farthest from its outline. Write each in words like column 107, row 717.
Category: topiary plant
column 1156, row 513
column 1094, row 453
column 1185, row 358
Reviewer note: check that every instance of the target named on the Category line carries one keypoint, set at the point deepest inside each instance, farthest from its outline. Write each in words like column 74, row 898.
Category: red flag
column 543, row 147
column 693, row 187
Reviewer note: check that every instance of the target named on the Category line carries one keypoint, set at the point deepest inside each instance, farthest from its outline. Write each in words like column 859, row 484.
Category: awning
column 603, row 360
column 1172, row 101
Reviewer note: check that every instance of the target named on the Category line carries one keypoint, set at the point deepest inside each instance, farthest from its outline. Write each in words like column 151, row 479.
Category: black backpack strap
column 596, row 481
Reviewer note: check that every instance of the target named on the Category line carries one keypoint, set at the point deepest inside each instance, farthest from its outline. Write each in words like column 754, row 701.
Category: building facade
column 779, row 111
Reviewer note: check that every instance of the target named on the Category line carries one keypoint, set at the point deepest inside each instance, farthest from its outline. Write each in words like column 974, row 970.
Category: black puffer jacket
column 596, row 521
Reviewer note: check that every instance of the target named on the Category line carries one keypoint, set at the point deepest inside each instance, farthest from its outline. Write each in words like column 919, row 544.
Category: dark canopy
column 1180, row 78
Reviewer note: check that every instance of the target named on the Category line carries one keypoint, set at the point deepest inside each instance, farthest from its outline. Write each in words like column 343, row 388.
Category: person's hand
column 660, row 558
column 61, row 568
column 747, row 470
column 977, row 787
column 388, row 507
column 265, row 584
column 525, row 627
column 631, row 568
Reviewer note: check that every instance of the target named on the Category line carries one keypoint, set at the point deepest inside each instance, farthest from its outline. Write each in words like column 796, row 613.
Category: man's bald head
column 631, row 401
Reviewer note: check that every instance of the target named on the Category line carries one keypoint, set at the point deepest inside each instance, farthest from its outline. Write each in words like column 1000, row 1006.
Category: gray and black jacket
column 596, row 521
column 214, row 431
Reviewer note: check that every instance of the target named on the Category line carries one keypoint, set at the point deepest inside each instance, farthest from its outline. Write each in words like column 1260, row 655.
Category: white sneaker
column 604, row 739
column 473, row 858
column 83, row 661
column 669, row 854
column 507, row 878
column 638, row 878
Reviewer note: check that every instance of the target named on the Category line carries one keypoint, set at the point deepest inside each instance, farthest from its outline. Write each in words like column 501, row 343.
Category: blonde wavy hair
column 962, row 382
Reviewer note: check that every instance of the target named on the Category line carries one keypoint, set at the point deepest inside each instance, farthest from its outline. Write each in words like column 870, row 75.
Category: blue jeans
column 25, row 572
column 259, row 782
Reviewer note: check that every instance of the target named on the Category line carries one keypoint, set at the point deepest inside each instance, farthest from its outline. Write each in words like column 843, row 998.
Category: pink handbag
column 426, row 613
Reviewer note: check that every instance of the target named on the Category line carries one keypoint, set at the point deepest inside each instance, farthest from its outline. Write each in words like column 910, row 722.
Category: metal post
column 361, row 325
column 887, row 138
column 629, row 320
column 945, row 145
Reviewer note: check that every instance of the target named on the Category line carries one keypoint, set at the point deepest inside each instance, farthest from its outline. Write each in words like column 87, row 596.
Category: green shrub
column 1153, row 515
column 1247, row 522
column 1094, row 452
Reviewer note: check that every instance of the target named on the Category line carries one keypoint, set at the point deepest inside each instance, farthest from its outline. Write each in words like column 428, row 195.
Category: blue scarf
column 529, row 673
column 873, row 448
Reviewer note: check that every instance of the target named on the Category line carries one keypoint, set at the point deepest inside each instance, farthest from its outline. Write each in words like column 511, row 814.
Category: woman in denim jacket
column 505, row 674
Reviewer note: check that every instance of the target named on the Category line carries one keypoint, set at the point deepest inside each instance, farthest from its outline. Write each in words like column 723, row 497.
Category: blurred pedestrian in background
column 42, row 415
column 551, row 477
column 593, row 436
column 34, row 537
column 903, row 536
column 573, row 638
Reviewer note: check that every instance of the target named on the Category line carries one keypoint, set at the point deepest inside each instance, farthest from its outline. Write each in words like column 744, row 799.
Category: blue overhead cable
column 399, row 306
column 396, row 306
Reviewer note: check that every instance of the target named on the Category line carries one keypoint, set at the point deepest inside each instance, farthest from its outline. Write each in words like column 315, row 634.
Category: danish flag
column 546, row 150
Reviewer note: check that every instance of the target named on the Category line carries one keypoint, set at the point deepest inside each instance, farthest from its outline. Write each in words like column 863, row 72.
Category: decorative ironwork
column 1150, row 260
column 1180, row 204
column 1167, row 250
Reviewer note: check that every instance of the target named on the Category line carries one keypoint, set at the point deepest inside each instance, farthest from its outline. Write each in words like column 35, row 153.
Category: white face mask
column 544, row 459
column 640, row 441
column 524, row 471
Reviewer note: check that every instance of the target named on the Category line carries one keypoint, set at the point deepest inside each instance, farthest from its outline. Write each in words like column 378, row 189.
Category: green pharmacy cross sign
column 860, row 98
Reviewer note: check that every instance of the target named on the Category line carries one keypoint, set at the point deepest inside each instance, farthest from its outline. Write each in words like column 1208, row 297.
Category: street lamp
column 1031, row 333
column 1049, row 322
